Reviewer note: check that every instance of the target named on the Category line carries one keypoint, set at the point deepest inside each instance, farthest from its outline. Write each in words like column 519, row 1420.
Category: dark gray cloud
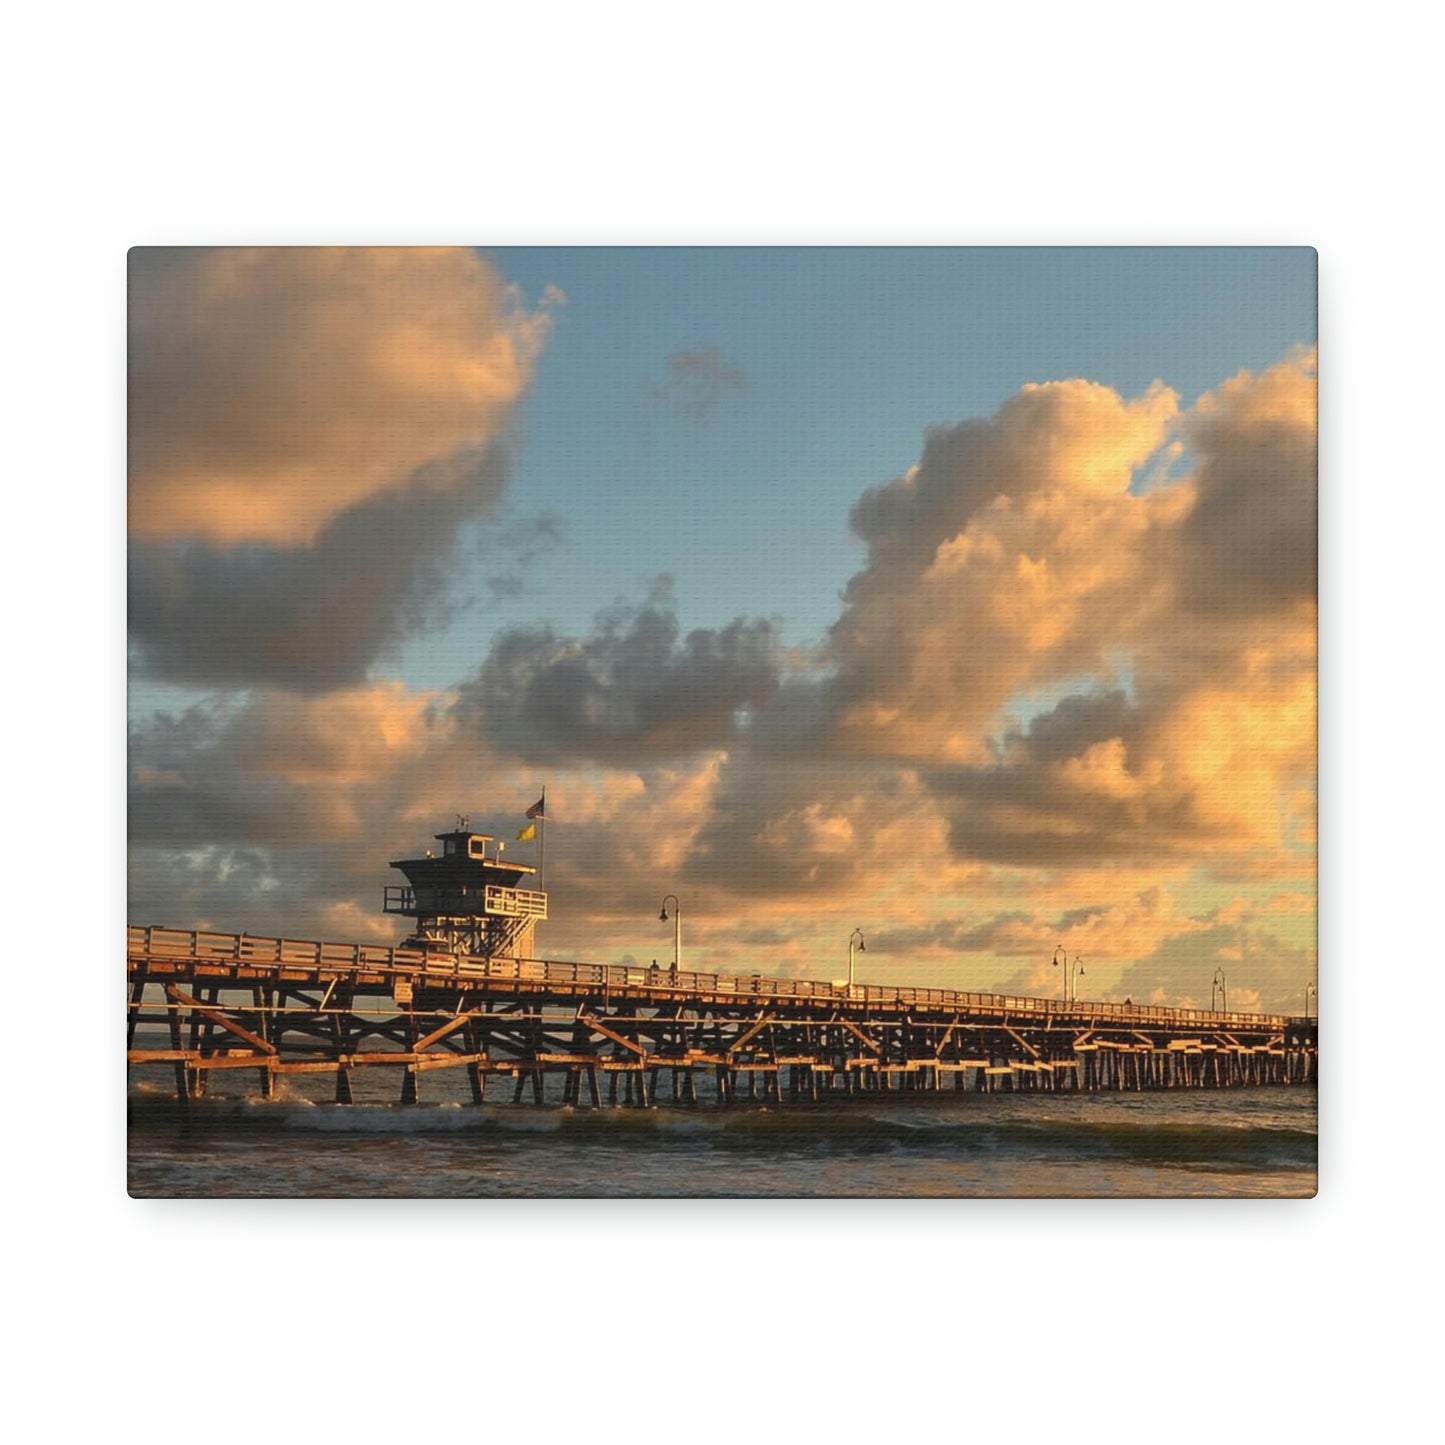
column 698, row 382
column 1252, row 537
column 183, row 785
column 1013, row 931
column 290, row 892
column 310, row 617
column 1072, row 726
column 633, row 690
column 1033, row 803
column 516, row 545
column 277, row 768
column 796, row 826
column 191, row 785
column 212, row 886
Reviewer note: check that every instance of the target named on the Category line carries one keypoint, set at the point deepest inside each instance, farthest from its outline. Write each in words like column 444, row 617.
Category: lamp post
column 1310, row 988
column 1072, row 972
column 676, row 929
column 854, row 939
column 1218, row 986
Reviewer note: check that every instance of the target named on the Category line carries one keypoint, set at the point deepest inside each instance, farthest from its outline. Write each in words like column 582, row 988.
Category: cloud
column 1262, row 971
column 274, row 388
column 1012, row 555
column 278, row 769
column 276, row 812
column 698, row 382
column 1076, row 437
column 515, row 547
column 1253, row 532
column 311, row 617
column 1019, row 558
column 309, row 430
column 633, row 690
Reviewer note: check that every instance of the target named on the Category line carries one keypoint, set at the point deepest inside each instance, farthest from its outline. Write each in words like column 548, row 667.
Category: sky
column 966, row 597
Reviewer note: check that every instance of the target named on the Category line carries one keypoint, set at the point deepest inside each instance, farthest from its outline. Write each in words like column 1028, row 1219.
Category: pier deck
column 223, row 1001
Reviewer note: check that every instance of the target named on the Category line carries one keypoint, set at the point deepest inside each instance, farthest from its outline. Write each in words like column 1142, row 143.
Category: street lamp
column 1072, row 972
column 676, row 929
column 1218, row 986
column 1310, row 988
column 854, row 939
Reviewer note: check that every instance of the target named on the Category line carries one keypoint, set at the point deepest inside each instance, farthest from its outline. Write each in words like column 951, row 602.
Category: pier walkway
column 200, row 1002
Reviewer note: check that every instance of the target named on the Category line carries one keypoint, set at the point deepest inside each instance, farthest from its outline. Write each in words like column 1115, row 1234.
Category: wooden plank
column 1022, row 1042
column 220, row 1018
column 450, row 1026
column 859, row 1034
column 758, row 1026
column 598, row 1027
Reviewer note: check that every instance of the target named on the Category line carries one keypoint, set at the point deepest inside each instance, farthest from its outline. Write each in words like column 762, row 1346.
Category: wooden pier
column 594, row 1034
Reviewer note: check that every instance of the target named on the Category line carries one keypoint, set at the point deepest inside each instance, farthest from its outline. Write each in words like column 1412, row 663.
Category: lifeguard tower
column 466, row 900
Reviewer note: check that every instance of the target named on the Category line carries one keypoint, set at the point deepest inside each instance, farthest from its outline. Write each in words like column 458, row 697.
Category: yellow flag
column 527, row 833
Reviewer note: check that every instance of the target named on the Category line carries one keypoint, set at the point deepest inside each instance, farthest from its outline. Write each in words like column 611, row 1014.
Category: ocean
column 1197, row 1143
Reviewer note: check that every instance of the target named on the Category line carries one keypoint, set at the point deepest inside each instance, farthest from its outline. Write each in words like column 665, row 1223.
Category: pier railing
column 427, row 965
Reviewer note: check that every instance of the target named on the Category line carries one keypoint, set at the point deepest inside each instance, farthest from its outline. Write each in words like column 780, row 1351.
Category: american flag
column 539, row 808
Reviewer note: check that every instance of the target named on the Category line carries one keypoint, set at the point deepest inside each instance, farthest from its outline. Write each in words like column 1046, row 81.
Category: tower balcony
column 488, row 901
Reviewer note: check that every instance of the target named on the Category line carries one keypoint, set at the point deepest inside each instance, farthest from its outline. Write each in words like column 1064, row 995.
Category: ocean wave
column 870, row 1129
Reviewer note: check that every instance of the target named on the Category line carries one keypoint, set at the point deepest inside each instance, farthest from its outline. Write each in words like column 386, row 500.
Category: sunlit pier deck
column 223, row 1001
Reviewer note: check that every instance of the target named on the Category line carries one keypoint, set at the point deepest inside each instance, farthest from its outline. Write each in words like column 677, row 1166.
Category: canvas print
column 722, row 722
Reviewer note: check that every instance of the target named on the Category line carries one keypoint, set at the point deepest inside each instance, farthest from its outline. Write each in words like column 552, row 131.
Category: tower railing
column 494, row 901
column 515, row 902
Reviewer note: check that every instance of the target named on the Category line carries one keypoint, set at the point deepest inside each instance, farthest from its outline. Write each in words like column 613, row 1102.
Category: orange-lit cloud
column 1013, row 554
column 273, row 388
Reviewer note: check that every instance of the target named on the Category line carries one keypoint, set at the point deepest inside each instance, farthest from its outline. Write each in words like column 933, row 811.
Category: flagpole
column 542, row 842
